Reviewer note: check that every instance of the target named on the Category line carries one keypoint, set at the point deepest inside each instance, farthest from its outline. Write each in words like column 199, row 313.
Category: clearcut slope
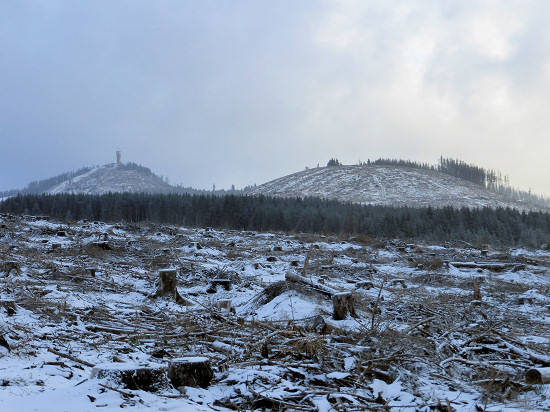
column 114, row 178
column 388, row 185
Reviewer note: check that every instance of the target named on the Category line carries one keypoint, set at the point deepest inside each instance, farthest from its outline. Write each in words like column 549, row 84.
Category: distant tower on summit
column 118, row 157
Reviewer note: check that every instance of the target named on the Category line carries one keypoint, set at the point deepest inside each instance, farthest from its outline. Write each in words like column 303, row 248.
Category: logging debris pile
column 96, row 315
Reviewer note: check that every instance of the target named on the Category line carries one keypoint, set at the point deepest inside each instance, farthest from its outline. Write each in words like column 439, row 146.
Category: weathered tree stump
column 11, row 265
column 537, row 376
column 364, row 284
column 150, row 378
column 477, row 290
column 10, row 306
column 213, row 288
column 196, row 245
column 226, row 304
column 167, row 286
column 395, row 282
column 342, row 304
column 318, row 325
column 193, row 371
column 102, row 245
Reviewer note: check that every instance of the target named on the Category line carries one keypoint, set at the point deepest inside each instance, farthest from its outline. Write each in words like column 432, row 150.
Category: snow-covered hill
column 388, row 185
column 114, row 178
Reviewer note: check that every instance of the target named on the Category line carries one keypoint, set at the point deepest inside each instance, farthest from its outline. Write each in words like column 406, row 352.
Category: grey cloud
column 240, row 93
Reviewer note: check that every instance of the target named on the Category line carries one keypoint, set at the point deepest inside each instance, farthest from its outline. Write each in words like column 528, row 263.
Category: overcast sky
column 242, row 92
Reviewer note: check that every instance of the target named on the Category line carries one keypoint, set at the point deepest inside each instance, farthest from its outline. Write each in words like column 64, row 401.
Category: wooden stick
column 131, row 395
column 416, row 325
column 64, row 355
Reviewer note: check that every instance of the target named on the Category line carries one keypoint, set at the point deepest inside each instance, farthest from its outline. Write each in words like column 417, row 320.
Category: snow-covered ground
column 76, row 296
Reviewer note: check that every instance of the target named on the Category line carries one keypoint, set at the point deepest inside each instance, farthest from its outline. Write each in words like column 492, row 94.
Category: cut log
column 150, row 378
column 537, row 376
column 193, row 371
column 343, row 303
column 492, row 266
column 167, row 286
column 293, row 277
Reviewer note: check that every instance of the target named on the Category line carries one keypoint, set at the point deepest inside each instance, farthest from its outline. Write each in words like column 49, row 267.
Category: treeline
column 453, row 167
column 488, row 178
column 399, row 162
column 40, row 186
column 260, row 213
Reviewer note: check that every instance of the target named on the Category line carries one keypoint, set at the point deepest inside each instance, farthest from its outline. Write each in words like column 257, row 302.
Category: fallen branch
column 292, row 406
column 64, row 355
column 325, row 290
column 416, row 325
column 130, row 395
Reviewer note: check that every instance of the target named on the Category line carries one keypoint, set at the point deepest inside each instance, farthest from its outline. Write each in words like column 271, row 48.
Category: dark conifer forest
column 501, row 227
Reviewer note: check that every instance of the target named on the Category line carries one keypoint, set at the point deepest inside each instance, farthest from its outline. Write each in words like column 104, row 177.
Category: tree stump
column 193, row 371
column 196, row 245
column 364, row 284
column 226, row 304
column 56, row 246
column 343, row 303
column 10, row 306
column 150, row 378
column 537, row 376
column 102, row 245
column 477, row 290
column 167, row 286
column 395, row 282
column 226, row 283
column 10, row 266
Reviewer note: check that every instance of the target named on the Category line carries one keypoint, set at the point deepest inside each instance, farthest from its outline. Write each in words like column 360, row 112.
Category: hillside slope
column 114, row 178
column 388, row 185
